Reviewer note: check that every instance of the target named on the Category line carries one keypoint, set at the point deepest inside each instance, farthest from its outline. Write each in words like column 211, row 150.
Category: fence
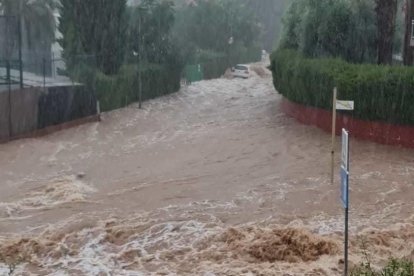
column 10, row 50
column 40, row 71
column 40, row 98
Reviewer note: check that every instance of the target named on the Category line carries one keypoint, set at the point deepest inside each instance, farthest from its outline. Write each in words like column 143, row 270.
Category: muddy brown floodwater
column 213, row 180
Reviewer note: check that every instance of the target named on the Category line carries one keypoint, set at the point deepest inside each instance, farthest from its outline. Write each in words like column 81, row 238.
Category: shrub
column 381, row 93
column 116, row 91
column 395, row 267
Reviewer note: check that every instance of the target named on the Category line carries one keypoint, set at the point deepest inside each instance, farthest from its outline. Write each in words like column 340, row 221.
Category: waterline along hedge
column 381, row 93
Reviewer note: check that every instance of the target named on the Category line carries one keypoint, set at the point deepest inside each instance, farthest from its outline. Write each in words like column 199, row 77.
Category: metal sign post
column 337, row 105
column 333, row 134
column 345, row 191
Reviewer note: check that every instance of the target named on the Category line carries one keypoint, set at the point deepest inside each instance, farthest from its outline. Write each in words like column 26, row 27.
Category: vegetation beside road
column 327, row 44
column 382, row 93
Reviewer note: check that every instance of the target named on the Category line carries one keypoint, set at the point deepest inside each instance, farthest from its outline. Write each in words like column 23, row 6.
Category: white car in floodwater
column 241, row 71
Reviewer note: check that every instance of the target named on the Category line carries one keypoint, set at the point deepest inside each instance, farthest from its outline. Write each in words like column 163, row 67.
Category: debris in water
column 270, row 245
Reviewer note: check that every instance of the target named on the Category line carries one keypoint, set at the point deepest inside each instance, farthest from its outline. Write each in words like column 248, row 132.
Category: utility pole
column 408, row 56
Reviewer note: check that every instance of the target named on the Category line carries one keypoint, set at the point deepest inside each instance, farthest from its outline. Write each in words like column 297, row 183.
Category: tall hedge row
column 381, row 93
column 117, row 91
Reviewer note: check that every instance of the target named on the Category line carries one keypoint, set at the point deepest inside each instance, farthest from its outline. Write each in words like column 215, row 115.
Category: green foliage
column 96, row 56
column 208, row 27
column 292, row 24
column 363, row 32
column 149, row 31
column 395, row 267
column 93, row 28
column 332, row 28
column 381, row 93
column 119, row 90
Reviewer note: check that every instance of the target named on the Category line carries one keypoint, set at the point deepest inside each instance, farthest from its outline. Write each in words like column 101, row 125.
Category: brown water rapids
column 213, row 180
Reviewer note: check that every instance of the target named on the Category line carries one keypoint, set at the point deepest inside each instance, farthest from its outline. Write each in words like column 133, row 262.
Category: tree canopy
column 156, row 19
column 217, row 28
column 96, row 29
column 355, row 30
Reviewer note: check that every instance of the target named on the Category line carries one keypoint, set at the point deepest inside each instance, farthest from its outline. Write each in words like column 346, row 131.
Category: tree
column 362, row 40
column 37, row 22
column 96, row 29
column 332, row 28
column 408, row 57
column 156, row 19
column 222, row 20
column 386, row 14
column 269, row 13
column 292, row 22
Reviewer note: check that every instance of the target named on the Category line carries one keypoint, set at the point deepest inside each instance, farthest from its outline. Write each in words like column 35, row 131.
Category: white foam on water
column 369, row 175
column 55, row 192
column 92, row 259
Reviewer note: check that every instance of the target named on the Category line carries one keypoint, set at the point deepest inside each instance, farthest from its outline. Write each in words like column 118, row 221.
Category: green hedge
column 119, row 90
column 215, row 64
column 214, row 69
column 381, row 93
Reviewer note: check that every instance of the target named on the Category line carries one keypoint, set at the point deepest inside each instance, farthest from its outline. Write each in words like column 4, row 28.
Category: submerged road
column 194, row 184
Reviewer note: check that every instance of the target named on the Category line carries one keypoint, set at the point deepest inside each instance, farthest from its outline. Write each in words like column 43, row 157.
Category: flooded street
column 212, row 180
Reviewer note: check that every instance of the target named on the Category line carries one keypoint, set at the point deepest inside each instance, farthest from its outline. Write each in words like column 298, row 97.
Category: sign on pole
column 344, row 187
column 344, row 105
column 345, row 149
column 335, row 93
column 337, row 105
column 345, row 169
column 345, row 190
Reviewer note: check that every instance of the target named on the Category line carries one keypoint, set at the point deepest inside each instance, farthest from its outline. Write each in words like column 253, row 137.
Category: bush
column 394, row 267
column 381, row 93
column 116, row 91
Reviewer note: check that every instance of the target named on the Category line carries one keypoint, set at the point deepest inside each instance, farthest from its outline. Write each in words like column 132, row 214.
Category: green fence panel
column 194, row 73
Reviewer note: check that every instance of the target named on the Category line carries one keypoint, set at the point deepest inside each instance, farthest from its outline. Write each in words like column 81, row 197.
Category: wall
column 4, row 115
column 378, row 132
column 34, row 109
column 24, row 110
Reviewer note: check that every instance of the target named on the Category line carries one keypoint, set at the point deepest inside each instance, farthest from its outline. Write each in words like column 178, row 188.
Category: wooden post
column 333, row 134
column 98, row 109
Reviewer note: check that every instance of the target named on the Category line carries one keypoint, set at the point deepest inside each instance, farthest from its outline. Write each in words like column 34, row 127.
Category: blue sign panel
column 345, row 150
column 344, row 187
